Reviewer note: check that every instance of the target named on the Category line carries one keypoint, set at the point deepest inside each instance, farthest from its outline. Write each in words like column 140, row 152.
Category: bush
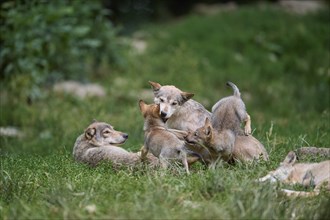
column 44, row 41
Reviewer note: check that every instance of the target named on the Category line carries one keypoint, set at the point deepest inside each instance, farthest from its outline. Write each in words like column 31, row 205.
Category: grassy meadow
column 280, row 62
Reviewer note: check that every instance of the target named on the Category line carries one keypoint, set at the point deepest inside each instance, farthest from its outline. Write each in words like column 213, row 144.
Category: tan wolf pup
column 307, row 174
column 245, row 148
column 177, row 107
column 160, row 141
column 100, row 142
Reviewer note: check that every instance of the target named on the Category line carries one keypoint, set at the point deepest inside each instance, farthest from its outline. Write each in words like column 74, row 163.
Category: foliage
column 44, row 41
column 279, row 62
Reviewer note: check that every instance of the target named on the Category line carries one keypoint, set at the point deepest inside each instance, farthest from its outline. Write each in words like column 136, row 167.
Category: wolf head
column 283, row 172
column 169, row 98
column 101, row 133
column 202, row 135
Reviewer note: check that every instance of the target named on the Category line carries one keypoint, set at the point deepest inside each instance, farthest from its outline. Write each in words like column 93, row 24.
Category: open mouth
column 118, row 143
column 191, row 141
column 164, row 119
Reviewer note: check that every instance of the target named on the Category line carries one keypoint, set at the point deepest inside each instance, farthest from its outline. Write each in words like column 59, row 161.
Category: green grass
column 280, row 63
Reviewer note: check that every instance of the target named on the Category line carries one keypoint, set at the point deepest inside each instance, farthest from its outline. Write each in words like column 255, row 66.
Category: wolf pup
column 307, row 174
column 160, row 141
column 100, row 142
column 177, row 107
column 230, row 112
column 244, row 149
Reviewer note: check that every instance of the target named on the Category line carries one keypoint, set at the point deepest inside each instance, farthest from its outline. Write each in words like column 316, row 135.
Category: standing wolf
column 177, row 107
column 229, row 112
column 160, row 141
column 224, row 137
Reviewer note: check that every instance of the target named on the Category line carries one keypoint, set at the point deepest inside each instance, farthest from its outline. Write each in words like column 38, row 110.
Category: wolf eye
column 174, row 103
column 106, row 132
column 162, row 100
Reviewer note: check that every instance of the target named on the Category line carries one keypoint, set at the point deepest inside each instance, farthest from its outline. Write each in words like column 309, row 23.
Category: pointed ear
column 94, row 120
column 290, row 158
column 155, row 86
column 89, row 133
column 142, row 105
column 207, row 122
column 186, row 96
column 208, row 131
column 208, row 127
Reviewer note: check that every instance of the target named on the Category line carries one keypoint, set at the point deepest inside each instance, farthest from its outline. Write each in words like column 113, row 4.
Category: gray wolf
column 100, row 142
column 219, row 135
column 212, row 149
column 160, row 141
column 306, row 174
column 230, row 112
column 177, row 107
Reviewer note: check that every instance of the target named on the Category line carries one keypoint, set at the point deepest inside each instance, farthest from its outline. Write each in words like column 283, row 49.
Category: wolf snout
column 125, row 135
column 163, row 114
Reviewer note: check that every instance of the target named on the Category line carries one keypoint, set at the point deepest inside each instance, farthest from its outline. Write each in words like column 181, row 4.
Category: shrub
column 43, row 41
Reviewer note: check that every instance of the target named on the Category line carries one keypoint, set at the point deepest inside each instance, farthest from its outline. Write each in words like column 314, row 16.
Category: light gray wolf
column 177, row 107
column 307, row 174
column 229, row 113
column 159, row 140
column 211, row 148
column 100, row 142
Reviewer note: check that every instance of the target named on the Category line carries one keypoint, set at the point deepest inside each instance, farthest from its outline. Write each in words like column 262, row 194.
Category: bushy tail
column 235, row 88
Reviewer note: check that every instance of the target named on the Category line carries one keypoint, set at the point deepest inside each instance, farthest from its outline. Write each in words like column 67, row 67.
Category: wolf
column 307, row 174
column 160, row 141
column 229, row 112
column 100, row 142
column 177, row 107
column 212, row 149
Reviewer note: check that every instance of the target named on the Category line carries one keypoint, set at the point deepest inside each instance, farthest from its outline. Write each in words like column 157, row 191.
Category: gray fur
column 186, row 114
column 229, row 113
column 160, row 141
column 95, row 146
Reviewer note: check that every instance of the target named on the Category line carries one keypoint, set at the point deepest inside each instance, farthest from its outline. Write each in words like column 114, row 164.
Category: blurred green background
column 278, row 56
column 276, row 52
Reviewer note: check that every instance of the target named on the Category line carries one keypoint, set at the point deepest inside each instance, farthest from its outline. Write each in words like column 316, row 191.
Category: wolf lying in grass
column 245, row 148
column 307, row 174
column 100, row 143
column 177, row 107
column 160, row 141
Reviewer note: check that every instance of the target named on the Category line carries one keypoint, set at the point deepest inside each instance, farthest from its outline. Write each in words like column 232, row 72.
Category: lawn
column 280, row 62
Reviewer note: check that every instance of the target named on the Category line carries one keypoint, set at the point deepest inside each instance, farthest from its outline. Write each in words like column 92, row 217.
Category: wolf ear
column 155, row 86
column 208, row 127
column 208, row 131
column 89, row 133
column 290, row 158
column 207, row 122
column 142, row 105
column 186, row 96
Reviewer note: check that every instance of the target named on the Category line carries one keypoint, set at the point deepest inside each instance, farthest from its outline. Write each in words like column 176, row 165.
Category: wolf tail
column 235, row 88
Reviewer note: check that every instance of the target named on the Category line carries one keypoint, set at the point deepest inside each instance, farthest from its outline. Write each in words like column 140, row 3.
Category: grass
column 280, row 63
